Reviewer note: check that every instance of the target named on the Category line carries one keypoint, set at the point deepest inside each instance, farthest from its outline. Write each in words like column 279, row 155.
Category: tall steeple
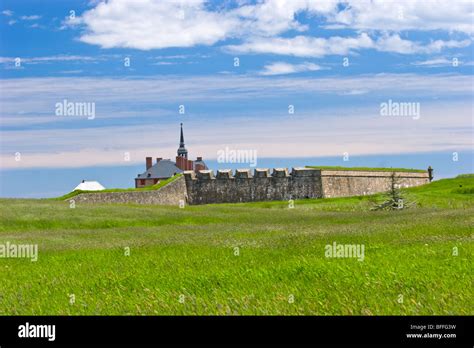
column 182, row 150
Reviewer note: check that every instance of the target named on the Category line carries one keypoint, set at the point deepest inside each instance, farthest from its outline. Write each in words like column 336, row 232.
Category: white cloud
column 39, row 95
column 274, row 17
column 49, row 59
column 30, row 18
column 62, row 58
column 355, row 92
column 71, row 71
column 438, row 45
column 7, row 13
column 442, row 62
column 281, row 68
column 4, row 60
column 396, row 44
column 181, row 56
column 164, row 63
column 148, row 24
column 405, row 15
column 330, row 133
column 37, row 26
column 11, row 22
column 436, row 62
column 303, row 46
column 144, row 24
column 26, row 102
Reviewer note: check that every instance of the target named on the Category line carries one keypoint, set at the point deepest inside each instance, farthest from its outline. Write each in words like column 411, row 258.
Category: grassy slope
column 190, row 252
column 147, row 188
column 368, row 169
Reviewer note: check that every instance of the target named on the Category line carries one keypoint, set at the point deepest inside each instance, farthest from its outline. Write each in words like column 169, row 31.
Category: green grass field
column 235, row 259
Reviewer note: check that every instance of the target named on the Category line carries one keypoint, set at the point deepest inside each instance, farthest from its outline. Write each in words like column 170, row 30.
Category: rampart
column 169, row 194
column 345, row 183
column 244, row 186
column 261, row 185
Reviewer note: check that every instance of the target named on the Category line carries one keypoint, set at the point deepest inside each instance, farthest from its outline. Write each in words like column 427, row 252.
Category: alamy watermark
column 67, row 108
column 335, row 250
column 11, row 250
column 37, row 331
column 393, row 108
column 237, row 156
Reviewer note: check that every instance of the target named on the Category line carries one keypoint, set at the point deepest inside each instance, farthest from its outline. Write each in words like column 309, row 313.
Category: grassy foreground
column 233, row 259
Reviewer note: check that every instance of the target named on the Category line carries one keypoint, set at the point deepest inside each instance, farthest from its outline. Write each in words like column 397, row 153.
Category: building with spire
column 165, row 168
column 182, row 152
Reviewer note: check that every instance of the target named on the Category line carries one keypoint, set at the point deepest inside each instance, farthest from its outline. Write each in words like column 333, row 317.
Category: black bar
column 387, row 330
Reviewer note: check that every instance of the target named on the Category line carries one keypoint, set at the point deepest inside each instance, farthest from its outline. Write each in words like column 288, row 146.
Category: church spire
column 182, row 150
column 181, row 140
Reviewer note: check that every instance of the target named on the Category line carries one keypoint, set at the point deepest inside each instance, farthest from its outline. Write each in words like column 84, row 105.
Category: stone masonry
column 342, row 183
column 261, row 185
column 169, row 194
column 204, row 188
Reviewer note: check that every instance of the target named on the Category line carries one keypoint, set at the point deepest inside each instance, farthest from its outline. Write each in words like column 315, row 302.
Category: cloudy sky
column 296, row 80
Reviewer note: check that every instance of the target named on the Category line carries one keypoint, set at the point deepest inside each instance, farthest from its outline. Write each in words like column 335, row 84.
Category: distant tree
column 394, row 198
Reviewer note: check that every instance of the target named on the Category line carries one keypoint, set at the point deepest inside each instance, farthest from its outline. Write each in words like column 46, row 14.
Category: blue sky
column 335, row 62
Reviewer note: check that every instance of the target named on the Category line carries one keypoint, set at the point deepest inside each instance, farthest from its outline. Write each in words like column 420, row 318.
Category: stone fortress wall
column 300, row 183
column 344, row 183
column 262, row 185
column 169, row 194
column 204, row 188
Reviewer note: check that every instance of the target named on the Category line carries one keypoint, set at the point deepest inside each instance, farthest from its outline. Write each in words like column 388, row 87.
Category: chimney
column 179, row 162
column 199, row 159
column 148, row 163
column 158, row 159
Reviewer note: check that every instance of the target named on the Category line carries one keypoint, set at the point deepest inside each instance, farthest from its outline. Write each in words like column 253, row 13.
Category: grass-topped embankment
column 368, row 169
column 147, row 188
column 444, row 193
column 191, row 252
